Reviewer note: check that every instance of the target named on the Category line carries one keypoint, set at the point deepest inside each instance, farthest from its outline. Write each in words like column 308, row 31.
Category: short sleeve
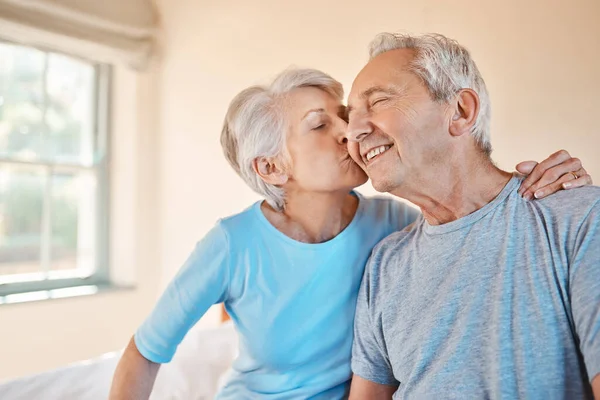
column 585, row 290
column 201, row 282
column 369, row 358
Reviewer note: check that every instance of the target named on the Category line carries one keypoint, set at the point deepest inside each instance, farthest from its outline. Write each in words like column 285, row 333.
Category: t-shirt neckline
column 470, row 219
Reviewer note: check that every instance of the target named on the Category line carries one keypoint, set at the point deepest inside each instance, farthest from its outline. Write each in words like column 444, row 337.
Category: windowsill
column 63, row 293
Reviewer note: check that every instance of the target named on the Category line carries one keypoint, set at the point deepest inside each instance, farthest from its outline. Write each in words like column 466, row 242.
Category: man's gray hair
column 256, row 126
column 445, row 67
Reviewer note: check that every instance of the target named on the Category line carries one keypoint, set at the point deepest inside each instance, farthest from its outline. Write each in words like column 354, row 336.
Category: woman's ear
column 270, row 171
column 466, row 110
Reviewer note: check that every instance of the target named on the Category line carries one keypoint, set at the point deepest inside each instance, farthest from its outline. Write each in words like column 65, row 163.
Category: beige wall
column 46, row 334
column 541, row 61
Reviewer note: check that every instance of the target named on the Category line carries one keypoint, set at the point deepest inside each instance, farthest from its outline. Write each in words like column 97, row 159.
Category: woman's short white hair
column 255, row 125
column 445, row 67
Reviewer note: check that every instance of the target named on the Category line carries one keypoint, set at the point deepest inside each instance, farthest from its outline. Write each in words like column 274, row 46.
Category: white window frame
column 47, row 284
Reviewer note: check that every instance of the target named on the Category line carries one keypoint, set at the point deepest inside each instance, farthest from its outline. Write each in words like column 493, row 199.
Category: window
column 53, row 171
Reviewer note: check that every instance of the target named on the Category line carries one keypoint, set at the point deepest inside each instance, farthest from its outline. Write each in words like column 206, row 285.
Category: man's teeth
column 376, row 151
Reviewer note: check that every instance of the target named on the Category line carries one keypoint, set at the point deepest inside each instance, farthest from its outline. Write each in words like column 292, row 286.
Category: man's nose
column 359, row 127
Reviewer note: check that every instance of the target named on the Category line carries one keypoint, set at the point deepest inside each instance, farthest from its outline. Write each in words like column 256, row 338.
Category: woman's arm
column 134, row 376
column 363, row 389
column 596, row 387
column 201, row 282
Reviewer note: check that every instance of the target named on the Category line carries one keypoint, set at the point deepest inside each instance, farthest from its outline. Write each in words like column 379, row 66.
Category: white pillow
column 193, row 374
column 201, row 360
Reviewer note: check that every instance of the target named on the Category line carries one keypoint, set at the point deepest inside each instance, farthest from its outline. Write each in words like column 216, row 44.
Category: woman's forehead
column 303, row 101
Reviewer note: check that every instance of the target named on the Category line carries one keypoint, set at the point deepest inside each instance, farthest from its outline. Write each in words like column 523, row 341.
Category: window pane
column 70, row 113
column 21, row 101
column 21, row 204
column 48, row 167
column 73, row 222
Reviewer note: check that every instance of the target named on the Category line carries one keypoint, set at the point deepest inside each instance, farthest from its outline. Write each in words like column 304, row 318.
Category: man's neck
column 459, row 188
column 313, row 217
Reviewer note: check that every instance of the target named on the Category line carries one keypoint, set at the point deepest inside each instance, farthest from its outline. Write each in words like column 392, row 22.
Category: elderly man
column 487, row 295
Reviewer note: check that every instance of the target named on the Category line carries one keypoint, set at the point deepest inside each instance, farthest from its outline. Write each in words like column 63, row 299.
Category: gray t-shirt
column 501, row 304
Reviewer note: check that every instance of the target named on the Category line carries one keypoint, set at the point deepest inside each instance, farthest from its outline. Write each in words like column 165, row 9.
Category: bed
column 195, row 373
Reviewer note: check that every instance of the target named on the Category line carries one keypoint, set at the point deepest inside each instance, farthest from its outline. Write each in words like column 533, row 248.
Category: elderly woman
column 288, row 268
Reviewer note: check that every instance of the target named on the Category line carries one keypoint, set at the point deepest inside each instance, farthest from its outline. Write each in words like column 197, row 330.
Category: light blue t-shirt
column 503, row 303
column 292, row 303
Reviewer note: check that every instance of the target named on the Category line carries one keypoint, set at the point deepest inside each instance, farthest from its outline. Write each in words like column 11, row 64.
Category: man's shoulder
column 575, row 203
column 392, row 245
column 399, row 238
column 387, row 259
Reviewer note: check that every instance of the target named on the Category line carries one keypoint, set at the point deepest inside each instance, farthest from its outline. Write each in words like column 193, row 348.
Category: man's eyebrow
column 378, row 89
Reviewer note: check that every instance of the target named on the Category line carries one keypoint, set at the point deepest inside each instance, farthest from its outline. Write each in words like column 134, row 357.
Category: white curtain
column 113, row 31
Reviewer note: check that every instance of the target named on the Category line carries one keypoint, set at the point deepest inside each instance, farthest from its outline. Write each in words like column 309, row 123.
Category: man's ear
column 270, row 170
column 466, row 110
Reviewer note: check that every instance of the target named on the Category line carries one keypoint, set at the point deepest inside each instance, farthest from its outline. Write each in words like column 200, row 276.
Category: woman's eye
column 319, row 127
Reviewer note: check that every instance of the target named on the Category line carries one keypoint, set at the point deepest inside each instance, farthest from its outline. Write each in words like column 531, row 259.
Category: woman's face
column 317, row 146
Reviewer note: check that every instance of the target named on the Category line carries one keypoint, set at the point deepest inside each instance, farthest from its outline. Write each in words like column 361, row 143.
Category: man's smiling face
column 395, row 128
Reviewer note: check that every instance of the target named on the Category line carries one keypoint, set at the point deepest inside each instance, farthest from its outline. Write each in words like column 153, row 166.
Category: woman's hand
column 557, row 172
